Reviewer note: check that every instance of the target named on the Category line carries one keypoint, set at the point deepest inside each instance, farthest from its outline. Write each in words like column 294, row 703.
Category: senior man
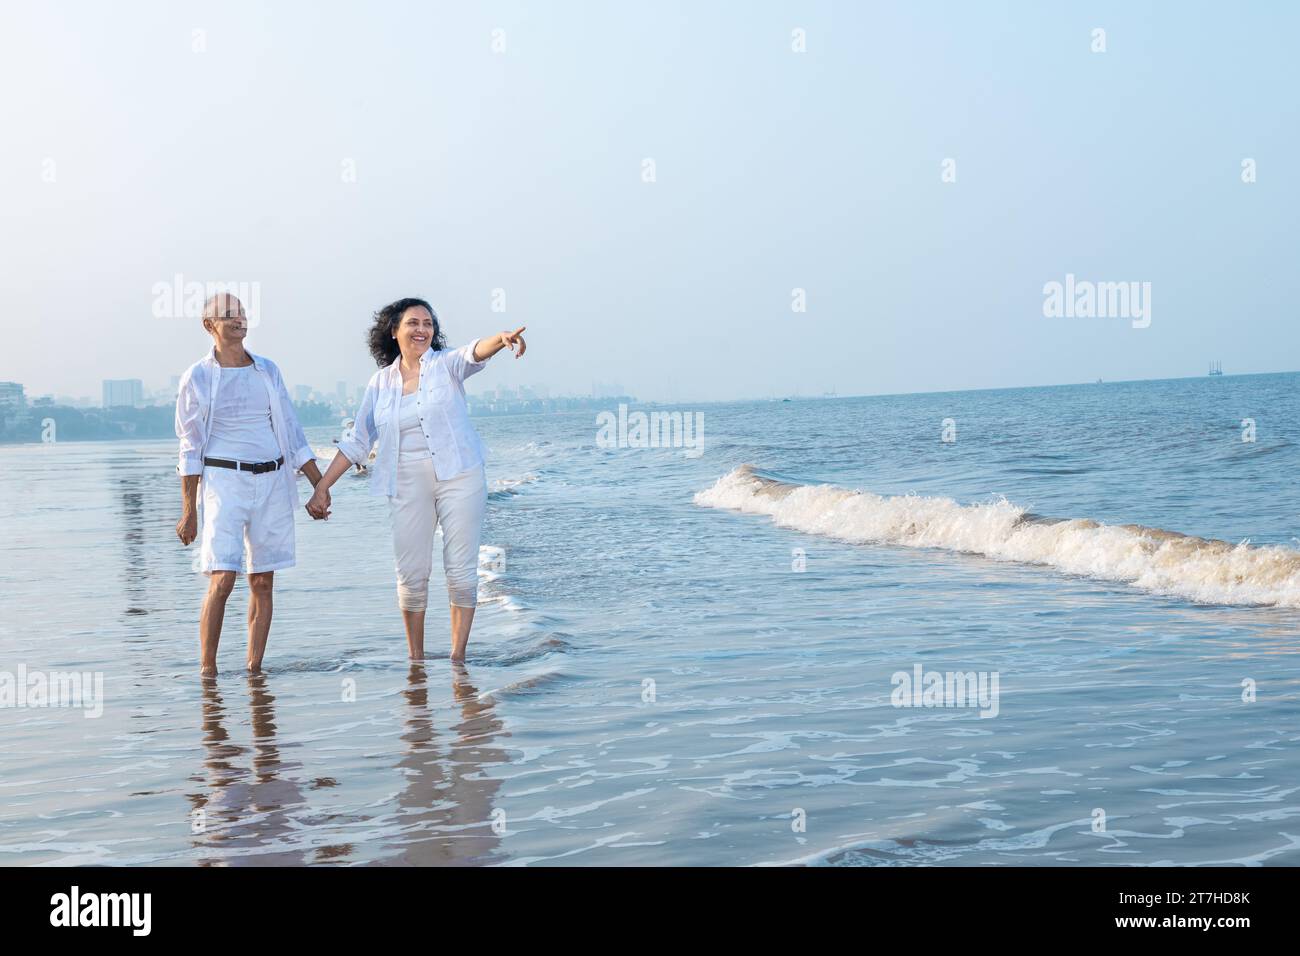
column 242, row 444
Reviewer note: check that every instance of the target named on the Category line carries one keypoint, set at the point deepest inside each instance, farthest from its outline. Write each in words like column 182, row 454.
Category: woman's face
column 414, row 331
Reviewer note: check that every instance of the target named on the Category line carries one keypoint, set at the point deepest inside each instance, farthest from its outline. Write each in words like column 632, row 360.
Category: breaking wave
column 1198, row 569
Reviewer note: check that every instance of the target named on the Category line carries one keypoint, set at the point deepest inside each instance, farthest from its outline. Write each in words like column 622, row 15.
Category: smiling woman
column 429, row 460
column 382, row 337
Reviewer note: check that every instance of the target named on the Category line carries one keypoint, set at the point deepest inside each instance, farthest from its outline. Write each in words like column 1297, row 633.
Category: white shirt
column 240, row 427
column 441, row 410
column 199, row 387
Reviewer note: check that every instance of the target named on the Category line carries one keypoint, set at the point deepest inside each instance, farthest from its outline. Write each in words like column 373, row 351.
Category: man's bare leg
column 260, row 602
column 462, row 619
column 414, row 621
column 220, row 584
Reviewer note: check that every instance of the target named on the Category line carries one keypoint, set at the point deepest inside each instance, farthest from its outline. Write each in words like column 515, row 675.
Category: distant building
column 302, row 393
column 11, row 396
column 123, row 393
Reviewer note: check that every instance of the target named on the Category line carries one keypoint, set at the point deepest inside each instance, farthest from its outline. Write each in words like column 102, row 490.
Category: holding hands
column 319, row 505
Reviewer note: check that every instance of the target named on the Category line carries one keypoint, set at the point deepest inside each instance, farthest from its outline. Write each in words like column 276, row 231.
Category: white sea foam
column 509, row 484
column 1199, row 569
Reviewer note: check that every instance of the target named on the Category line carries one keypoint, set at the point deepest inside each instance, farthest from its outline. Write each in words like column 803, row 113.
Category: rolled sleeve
column 465, row 364
column 302, row 456
column 300, row 451
column 356, row 447
column 189, row 428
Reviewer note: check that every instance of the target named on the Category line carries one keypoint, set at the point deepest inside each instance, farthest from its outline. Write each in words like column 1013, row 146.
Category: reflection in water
column 252, row 807
column 250, row 798
column 130, row 496
column 445, row 810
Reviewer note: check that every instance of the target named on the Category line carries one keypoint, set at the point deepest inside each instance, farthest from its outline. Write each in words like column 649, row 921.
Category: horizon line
column 983, row 388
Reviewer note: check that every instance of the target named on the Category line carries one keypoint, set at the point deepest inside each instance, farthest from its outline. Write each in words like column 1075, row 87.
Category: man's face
column 225, row 320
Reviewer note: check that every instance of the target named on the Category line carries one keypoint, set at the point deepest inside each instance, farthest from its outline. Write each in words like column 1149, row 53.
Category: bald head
column 223, row 305
column 225, row 321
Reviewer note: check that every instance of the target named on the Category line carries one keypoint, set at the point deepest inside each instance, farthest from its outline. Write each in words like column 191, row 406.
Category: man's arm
column 187, row 529
column 302, row 458
column 312, row 471
column 191, row 430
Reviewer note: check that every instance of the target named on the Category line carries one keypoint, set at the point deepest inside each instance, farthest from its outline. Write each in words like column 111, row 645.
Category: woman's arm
column 335, row 471
column 356, row 447
column 484, row 349
column 353, row 448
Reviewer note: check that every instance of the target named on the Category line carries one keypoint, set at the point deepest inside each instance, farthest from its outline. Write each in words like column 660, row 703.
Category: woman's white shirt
column 440, row 409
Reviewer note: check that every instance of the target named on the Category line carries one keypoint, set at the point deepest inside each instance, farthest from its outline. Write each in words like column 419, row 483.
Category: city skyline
column 161, row 397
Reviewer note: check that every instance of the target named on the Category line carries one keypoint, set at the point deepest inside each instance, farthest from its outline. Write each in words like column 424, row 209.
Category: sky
column 337, row 156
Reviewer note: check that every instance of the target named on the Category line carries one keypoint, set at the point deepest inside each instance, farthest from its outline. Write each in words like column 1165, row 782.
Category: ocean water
column 698, row 658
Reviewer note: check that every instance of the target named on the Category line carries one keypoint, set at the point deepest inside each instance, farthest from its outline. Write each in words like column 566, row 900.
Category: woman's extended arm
column 490, row 346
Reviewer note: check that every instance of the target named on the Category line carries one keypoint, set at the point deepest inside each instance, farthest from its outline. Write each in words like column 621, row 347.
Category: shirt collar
column 258, row 362
column 393, row 366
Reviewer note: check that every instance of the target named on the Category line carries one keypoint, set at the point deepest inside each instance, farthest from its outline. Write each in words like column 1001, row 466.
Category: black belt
column 257, row 469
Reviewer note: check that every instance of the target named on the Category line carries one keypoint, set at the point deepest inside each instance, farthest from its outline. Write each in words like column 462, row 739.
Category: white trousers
column 421, row 504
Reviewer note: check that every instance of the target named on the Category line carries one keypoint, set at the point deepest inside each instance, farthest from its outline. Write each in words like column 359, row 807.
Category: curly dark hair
column 380, row 337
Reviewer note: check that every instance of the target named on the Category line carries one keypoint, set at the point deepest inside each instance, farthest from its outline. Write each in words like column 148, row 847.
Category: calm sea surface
column 653, row 679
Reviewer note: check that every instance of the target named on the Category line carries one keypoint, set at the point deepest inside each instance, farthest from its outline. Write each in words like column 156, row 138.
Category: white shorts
column 246, row 516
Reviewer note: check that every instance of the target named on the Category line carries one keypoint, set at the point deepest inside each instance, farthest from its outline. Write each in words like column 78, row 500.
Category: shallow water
column 651, row 681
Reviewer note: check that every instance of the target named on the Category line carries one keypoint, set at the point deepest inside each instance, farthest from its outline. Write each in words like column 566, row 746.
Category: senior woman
column 429, row 462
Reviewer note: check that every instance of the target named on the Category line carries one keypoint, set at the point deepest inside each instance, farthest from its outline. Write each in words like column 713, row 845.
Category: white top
column 440, row 409
column 411, row 441
column 240, row 427
column 199, row 388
